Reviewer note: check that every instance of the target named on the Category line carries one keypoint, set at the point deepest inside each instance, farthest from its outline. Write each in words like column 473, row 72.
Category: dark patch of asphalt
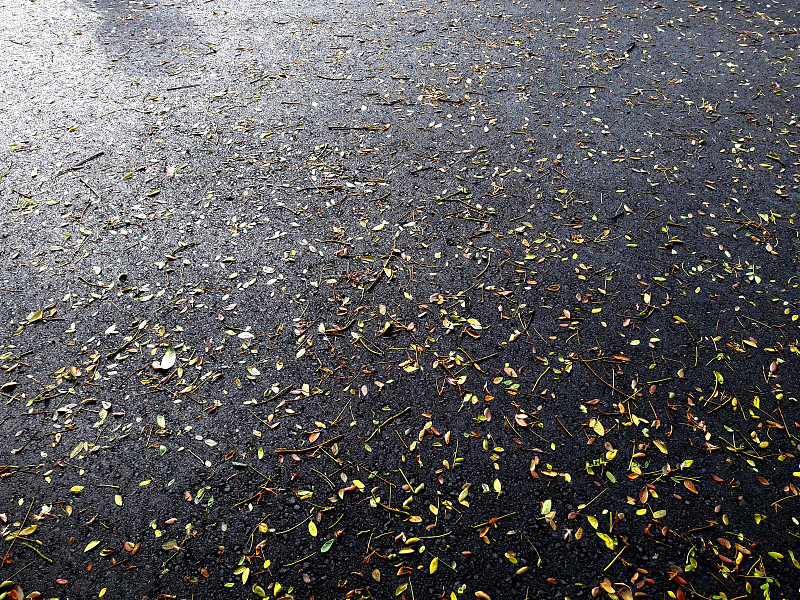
column 416, row 299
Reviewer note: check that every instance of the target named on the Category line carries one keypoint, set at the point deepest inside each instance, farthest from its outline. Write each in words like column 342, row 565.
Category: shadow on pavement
column 141, row 34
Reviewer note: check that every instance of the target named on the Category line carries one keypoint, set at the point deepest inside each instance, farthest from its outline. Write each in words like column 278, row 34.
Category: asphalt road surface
column 441, row 299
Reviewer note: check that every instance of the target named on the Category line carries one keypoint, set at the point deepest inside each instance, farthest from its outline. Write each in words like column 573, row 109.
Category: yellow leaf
column 77, row 450
column 592, row 520
column 661, row 446
column 76, row 488
column 90, row 545
column 312, row 529
column 607, row 539
column 434, row 565
column 118, row 500
column 498, row 487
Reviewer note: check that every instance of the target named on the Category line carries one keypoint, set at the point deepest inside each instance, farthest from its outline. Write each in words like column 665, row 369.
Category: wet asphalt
column 413, row 299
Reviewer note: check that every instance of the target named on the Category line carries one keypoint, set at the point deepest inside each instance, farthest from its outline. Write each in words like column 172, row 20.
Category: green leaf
column 168, row 361
column 546, row 506
column 776, row 555
column 326, row 546
column 170, row 545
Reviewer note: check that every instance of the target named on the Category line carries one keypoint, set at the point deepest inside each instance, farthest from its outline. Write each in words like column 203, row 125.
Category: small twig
column 299, row 560
column 105, row 287
column 392, row 418
column 91, row 189
column 563, row 427
column 295, row 527
column 35, row 549
column 11, row 577
column 488, row 262
column 22, row 525
column 615, row 558
column 535, row 385
column 79, row 164
column 117, row 564
column 603, row 380
column 116, row 351
column 493, row 520
column 593, row 499
column 309, row 449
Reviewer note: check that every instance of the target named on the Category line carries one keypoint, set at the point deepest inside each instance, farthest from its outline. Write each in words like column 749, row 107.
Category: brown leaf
column 606, row 585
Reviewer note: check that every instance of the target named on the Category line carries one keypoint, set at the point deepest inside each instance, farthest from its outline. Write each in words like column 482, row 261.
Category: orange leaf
column 606, row 585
